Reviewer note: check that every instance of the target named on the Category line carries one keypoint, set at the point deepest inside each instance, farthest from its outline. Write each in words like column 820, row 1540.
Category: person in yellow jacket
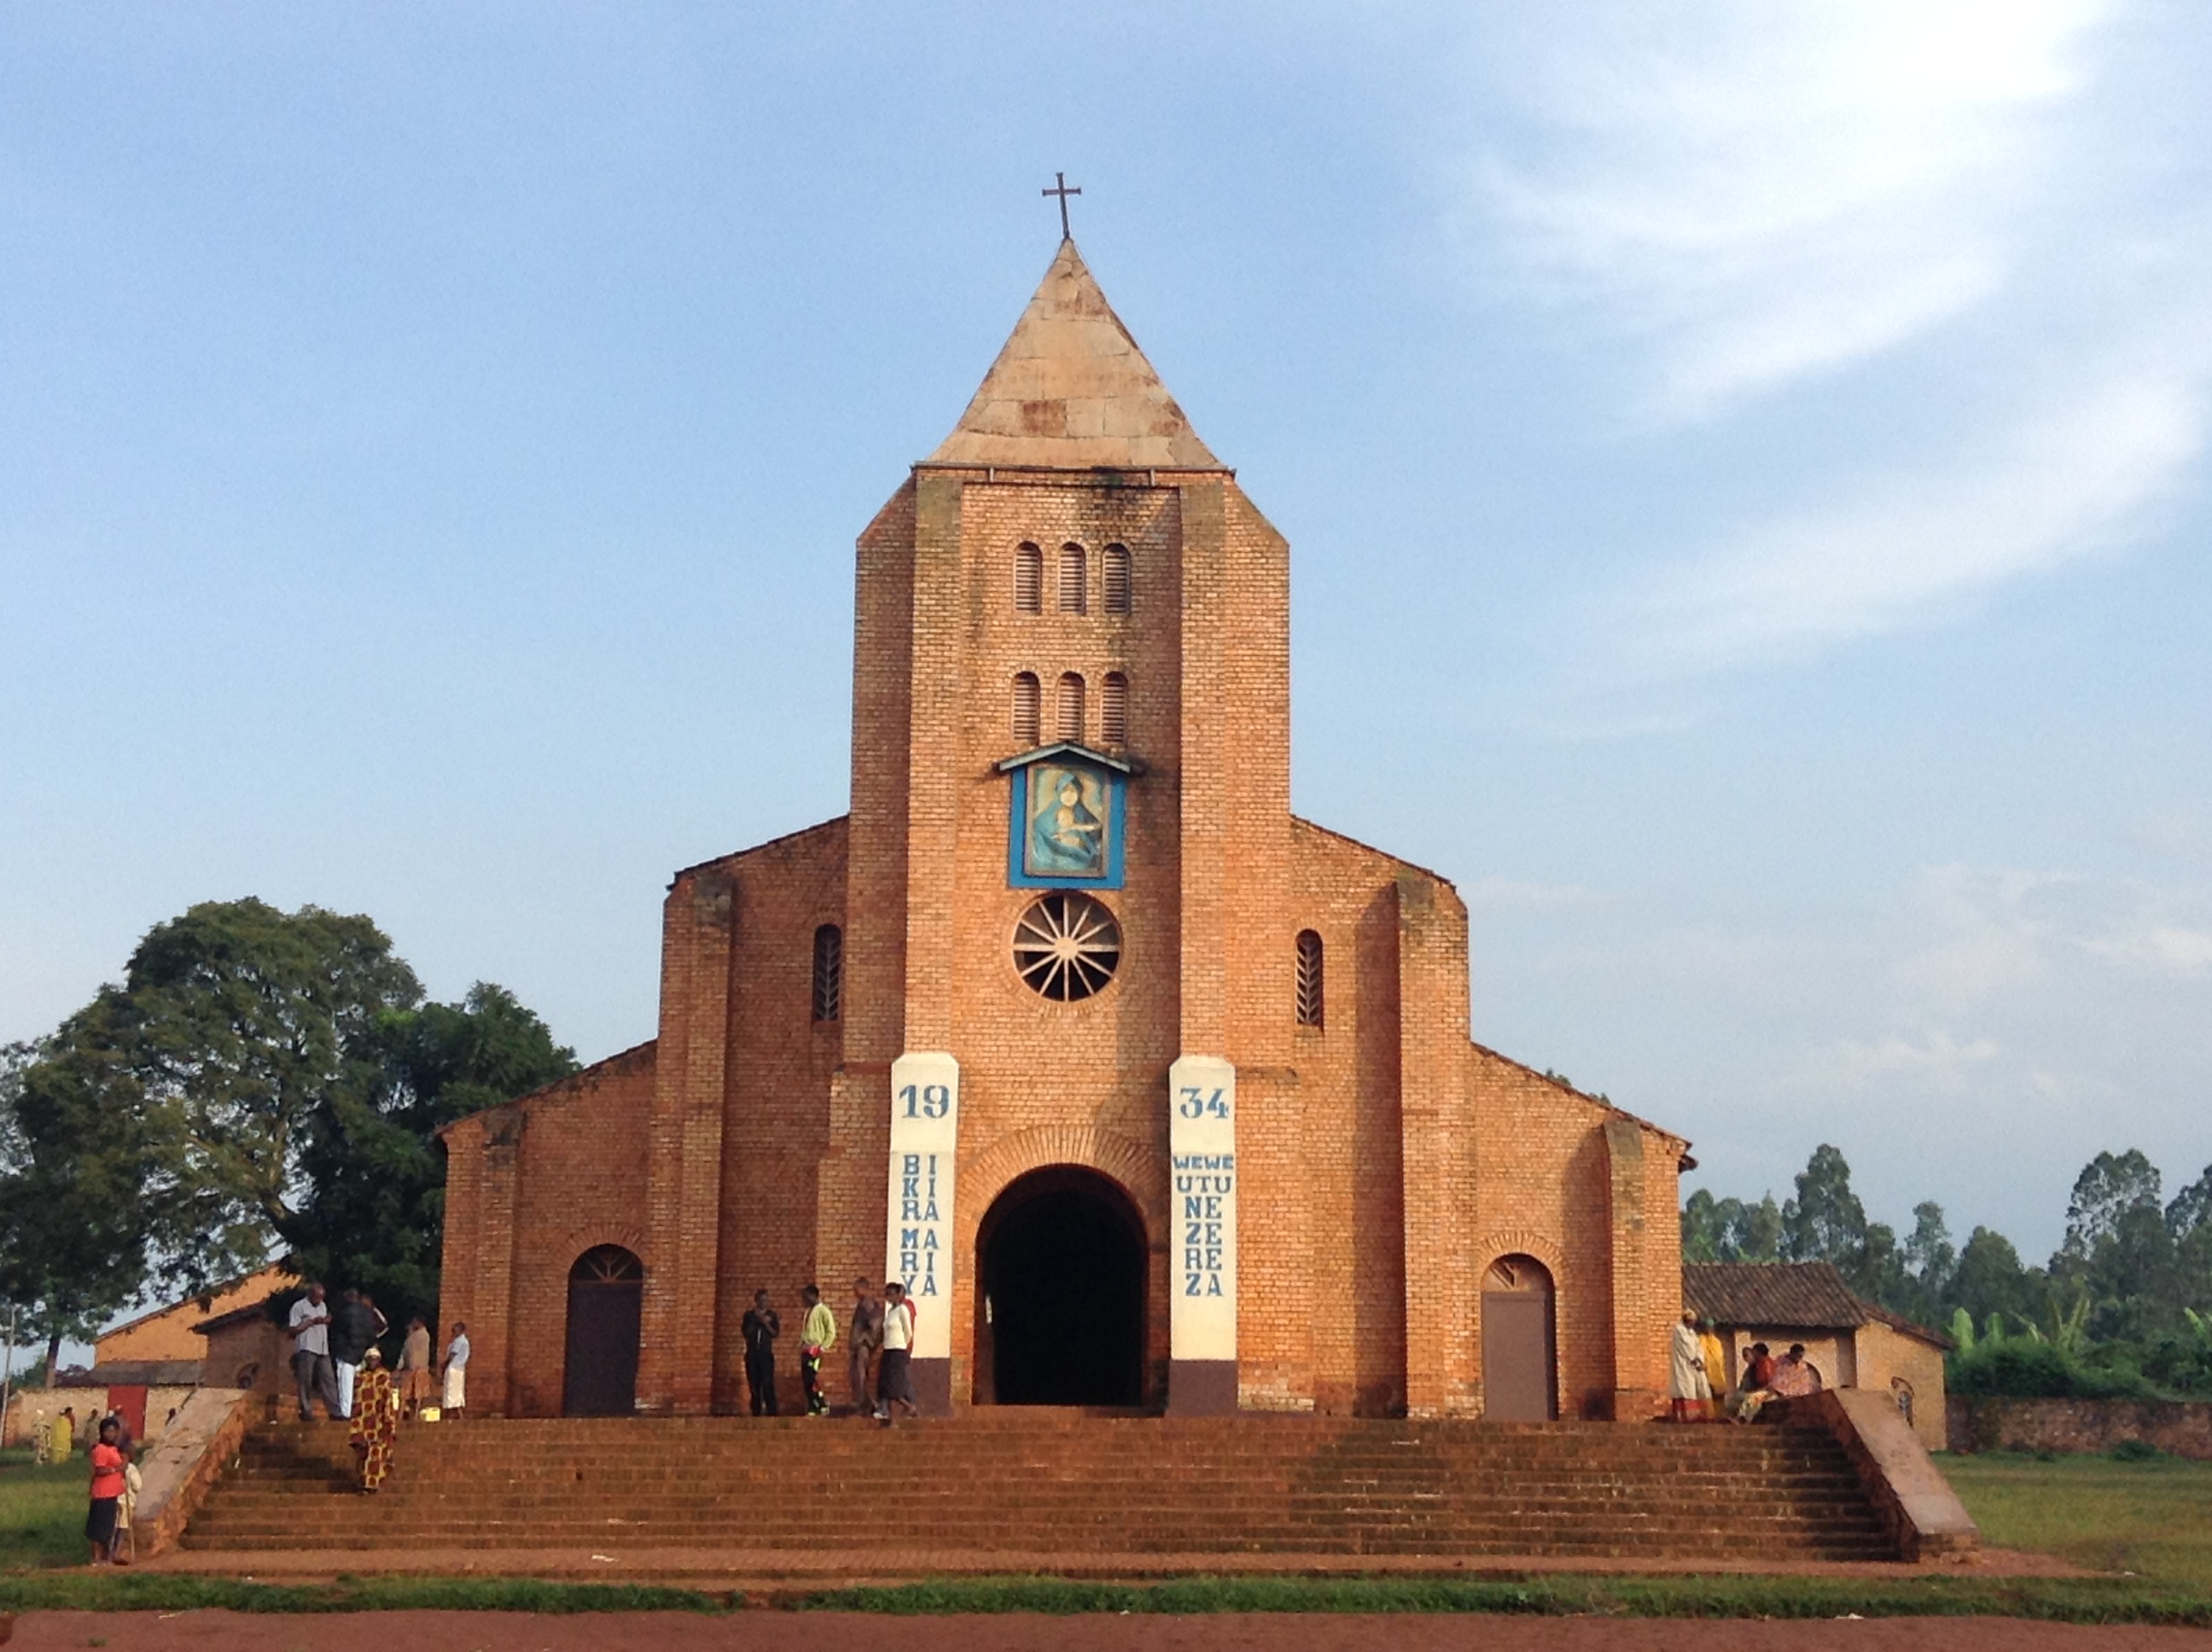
column 819, row 1336
column 1709, row 1341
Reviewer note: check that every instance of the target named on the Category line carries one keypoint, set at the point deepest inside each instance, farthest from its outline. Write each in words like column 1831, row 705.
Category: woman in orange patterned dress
column 375, row 1419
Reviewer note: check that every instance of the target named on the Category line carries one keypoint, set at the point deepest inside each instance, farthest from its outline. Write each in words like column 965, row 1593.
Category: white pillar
column 1202, row 1249
column 918, row 1238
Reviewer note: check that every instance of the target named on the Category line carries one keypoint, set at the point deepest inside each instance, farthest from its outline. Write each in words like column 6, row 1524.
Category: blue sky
column 1744, row 467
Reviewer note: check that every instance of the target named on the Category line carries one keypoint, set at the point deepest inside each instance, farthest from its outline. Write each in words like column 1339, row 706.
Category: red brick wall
column 1385, row 1160
column 574, row 1158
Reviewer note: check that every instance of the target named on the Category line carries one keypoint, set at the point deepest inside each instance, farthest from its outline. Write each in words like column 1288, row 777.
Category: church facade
column 1154, row 1094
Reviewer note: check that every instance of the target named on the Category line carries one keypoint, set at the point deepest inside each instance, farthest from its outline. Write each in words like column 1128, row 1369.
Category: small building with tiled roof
column 1851, row 1342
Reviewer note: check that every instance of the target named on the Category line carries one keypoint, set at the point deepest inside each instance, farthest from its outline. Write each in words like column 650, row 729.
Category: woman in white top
column 893, row 1381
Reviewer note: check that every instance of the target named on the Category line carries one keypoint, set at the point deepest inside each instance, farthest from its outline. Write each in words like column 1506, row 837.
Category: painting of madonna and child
column 1069, row 830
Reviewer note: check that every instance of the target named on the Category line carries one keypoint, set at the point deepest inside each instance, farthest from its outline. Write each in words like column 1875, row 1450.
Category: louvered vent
column 1113, row 709
column 1068, row 724
column 1310, row 979
column 1074, row 578
column 1029, row 580
column 1117, row 578
column 1028, row 711
column 829, row 972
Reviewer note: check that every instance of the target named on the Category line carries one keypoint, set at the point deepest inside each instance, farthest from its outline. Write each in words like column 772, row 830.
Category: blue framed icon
column 1065, row 821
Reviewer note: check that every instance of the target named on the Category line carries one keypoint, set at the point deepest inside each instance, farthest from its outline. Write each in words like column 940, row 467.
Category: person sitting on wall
column 1758, row 1387
column 1794, row 1378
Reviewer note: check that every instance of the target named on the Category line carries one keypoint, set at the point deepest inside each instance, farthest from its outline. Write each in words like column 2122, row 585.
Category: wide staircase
column 1042, row 1482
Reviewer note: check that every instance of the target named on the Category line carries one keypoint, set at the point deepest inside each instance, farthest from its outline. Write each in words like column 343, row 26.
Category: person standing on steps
column 761, row 1326
column 375, row 1420
column 313, row 1375
column 415, row 1375
column 1715, row 1364
column 354, row 1326
column 865, row 1331
column 819, row 1336
column 1685, row 1371
column 895, row 1382
column 457, row 1374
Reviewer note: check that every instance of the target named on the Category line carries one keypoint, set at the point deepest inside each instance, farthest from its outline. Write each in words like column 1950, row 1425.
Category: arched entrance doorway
column 606, row 1295
column 1060, row 1314
column 1520, row 1343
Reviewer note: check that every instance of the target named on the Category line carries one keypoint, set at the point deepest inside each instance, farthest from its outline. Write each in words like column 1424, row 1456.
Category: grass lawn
column 41, row 1511
column 2153, row 1518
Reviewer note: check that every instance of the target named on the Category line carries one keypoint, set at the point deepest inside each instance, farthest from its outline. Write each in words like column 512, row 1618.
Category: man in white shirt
column 309, row 1327
column 457, row 1373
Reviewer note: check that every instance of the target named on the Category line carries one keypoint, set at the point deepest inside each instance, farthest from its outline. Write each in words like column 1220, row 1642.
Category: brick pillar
column 683, row 1162
column 491, row 1328
column 1436, row 1117
column 1634, row 1399
column 933, row 775
column 460, row 1257
column 1203, row 1352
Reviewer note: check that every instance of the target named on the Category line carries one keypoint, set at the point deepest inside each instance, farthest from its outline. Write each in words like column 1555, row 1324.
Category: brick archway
column 1135, row 1168
column 1138, row 1173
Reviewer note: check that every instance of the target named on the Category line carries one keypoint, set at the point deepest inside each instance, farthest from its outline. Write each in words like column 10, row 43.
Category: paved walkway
column 738, row 1569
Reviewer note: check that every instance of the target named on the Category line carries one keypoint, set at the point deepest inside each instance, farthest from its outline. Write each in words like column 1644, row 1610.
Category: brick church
column 1155, row 1094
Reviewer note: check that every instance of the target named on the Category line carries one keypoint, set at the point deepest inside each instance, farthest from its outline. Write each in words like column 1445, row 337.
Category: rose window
column 1066, row 946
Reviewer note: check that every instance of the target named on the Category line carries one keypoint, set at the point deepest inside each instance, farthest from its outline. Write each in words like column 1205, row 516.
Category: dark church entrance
column 606, row 1293
column 1062, row 1311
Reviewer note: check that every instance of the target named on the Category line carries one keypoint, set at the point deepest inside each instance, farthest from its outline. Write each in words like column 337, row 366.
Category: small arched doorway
column 1061, row 1314
column 606, row 1299
column 1520, row 1342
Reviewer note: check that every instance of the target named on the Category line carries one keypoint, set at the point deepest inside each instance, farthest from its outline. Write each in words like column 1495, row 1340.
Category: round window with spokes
column 1066, row 946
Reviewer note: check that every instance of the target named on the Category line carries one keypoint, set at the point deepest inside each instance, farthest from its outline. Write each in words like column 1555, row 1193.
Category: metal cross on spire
column 1062, row 190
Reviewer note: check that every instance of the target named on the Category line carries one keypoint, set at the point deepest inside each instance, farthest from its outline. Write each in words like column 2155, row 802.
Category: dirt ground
column 779, row 1631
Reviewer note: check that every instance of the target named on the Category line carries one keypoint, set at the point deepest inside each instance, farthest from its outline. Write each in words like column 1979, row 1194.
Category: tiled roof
column 1789, row 1295
column 154, row 1373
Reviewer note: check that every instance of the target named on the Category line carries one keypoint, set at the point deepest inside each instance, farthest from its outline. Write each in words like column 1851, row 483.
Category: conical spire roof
column 1072, row 389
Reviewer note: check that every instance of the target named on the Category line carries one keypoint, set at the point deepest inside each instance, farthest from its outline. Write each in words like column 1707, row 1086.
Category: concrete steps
column 1020, row 1480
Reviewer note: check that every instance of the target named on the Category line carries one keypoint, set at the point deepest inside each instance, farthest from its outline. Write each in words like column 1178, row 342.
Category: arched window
column 1074, row 580
column 1310, row 979
column 1028, row 710
column 1029, row 579
column 1067, row 723
column 1113, row 710
column 828, row 971
column 1117, row 578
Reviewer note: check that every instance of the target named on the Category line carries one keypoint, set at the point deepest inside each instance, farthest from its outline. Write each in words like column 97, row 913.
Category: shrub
column 2020, row 1369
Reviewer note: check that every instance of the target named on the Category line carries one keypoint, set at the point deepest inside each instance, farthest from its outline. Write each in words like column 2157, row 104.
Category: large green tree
column 1730, row 1229
column 1990, row 1279
column 374, row 1174
column 71, row 1248
column 260, row 1083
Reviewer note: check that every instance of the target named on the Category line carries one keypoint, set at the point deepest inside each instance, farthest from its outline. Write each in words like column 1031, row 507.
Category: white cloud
column 1768, row 192
column 1757, row 200
column 2078, row 479
column 1935, row 1054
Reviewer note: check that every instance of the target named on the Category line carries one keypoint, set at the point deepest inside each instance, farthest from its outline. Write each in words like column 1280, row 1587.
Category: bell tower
column 1070, row 820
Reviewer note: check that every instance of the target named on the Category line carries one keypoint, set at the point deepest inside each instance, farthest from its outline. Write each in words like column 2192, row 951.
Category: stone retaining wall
column 2182, row 1427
